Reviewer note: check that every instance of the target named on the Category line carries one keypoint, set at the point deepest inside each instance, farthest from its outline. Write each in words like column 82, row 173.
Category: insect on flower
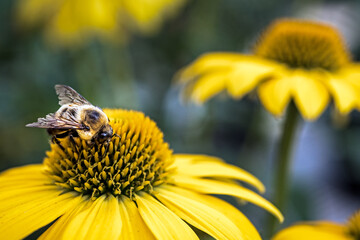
column 76, row 117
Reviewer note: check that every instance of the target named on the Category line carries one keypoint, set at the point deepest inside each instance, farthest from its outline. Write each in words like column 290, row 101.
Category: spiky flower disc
column 303, row 44
column 135, row 159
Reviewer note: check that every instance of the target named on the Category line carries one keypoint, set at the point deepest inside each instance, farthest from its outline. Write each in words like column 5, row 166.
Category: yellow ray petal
column 345, row 95
column 148, row 15
column 9, row 197
column 30, row 12
column 207, row 63
column 100, row 220
column 243, row 223
column 217, row 169
column 246, row 74
column 30, row 212
column 207, row 86
column 310, row 95
column 351, row 74
column 163, row 223
column 194, row 209
column 75, row 21
column 217, row 187
column 57, row 229
column 315, row 231
column 275, row 95
column 23, row 177
column 134, row 227
column 193, row 158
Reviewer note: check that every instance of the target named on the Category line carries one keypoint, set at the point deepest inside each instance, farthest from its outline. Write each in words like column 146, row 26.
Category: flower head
column 294, row 60
column 75, row 21
column 132, row 187
column 322, row 230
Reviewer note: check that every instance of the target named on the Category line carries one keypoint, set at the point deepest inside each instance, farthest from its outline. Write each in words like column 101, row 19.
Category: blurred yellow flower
column 323, row 230
column 297, row 60
column 130, row 188
column 75, row 21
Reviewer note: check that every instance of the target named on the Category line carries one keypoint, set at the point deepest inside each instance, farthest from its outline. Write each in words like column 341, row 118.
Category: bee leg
column 116, row 135
column 57, row 142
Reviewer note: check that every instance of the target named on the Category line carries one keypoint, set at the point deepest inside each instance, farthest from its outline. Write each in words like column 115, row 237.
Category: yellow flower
column 323, row 230
column 302, row 61
column 74, row 21
column 133, row 187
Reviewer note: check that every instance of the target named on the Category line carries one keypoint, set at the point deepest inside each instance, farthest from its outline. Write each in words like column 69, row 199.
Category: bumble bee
column 76, row 117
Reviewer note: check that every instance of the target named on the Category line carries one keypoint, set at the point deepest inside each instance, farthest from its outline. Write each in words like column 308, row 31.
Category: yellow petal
column 275, row 95
column 134, row 227
column 29, row 212
column 218, row 187
column 351, row 74
column 193, row 158
column 207, row 63
column 207, row 86
column 310, row 95
column 30, row 12
column 246, row 74
column 345, row 95
column 56, row 230
column 315, row 231
column 100, row 220
column 243, row 223
column 148, row 15
column 163, row 223
column 194, row 209
column 23, row 177
column 76, row 21
column 10, row 197
column 216, row 169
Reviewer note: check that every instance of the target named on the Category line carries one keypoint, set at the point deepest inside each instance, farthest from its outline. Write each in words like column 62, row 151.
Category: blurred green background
column 325, row 173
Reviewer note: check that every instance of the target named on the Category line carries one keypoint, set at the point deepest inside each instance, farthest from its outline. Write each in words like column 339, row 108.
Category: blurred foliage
column 325, row 174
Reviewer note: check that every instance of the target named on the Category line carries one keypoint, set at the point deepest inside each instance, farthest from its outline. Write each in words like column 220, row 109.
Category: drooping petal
column 207, row 63
column 315, row 231
column 243, row 223
column 275, row 95
column 310, row 94
column 25, row 213
column 247, row 73
column 99, row 220
column 345, row 95
column 196, row 210
column 56, row 230
column 74, row 21
column 193, row 158
column 23, row 178
column 218, row 187
column 163, row 223
column 30, row 12
column 134, row 227
column 215, row 169
column 207, row 86
column 147, row 16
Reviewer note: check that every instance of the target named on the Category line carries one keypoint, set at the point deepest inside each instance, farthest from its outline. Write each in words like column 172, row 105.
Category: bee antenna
column 116, row 135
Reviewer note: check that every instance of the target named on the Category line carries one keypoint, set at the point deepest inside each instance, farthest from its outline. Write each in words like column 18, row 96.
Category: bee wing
column 67, row 95
column 51, row 121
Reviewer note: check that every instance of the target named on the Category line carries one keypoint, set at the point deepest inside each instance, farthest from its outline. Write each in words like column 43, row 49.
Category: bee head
column 96, row 123
column 105, row 133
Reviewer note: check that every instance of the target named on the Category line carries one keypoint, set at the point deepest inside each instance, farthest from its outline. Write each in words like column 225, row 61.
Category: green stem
column 282, row 163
